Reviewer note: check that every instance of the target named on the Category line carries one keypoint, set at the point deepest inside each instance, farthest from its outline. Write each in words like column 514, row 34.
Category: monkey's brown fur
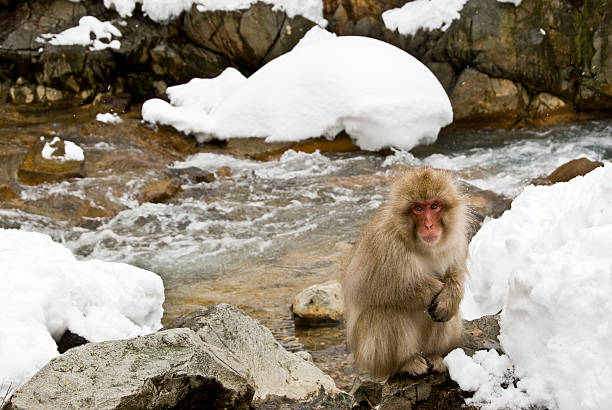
column 394, row 278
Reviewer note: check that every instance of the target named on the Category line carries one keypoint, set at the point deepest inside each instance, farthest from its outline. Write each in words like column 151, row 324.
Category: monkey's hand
column 446, row 304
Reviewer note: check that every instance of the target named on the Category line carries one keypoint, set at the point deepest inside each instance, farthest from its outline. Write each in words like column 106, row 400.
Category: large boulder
column 279, row 377
column 168, row 369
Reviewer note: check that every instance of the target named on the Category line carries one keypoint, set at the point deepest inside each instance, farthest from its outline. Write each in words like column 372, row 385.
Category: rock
column 36, row 169
column 366, row 392
column 568, row 171
column 69, row 341
column 433, row 391
column 477, row 96
column 7, row 193
column 481, row 333
column 224, row 172
column 319, row 305
column 304, row 355
column 546, row 107
column 168, row 369
column 278, row 375
column 160, row 191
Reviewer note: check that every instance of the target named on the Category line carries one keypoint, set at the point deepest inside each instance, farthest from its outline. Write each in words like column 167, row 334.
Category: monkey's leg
column 373, row 336
column 413, row 331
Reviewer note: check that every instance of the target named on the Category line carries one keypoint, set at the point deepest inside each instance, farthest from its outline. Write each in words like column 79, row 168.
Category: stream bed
column 259, row 236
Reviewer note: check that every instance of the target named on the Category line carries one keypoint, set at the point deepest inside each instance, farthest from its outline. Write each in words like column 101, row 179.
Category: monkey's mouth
column 431, row 238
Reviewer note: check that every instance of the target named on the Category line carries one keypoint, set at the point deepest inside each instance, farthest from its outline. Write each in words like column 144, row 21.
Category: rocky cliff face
column 542, row 60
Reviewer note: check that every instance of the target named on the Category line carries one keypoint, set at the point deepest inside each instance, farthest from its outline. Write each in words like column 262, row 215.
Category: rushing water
column 257, row 238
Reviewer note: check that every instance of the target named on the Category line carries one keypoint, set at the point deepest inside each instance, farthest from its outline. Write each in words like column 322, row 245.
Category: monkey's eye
column 418, row 208
column 434, row 205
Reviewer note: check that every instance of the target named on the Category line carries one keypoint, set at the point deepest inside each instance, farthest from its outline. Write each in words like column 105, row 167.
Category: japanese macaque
column 403, row 285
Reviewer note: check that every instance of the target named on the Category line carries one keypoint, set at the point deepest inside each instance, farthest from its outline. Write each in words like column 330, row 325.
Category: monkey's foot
column 436, row 363
column 415, row 366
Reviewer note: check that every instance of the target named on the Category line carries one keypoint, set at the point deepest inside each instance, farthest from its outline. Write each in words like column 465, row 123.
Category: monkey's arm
column 446, row 304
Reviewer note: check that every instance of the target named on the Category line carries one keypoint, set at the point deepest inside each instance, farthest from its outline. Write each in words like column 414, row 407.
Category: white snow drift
column 164, row 10
column 44, row 291
column 548, row 263
column 423, row 14
column 379, row 94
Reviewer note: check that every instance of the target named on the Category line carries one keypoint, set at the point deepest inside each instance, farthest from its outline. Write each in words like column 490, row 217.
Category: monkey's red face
column 428, row 225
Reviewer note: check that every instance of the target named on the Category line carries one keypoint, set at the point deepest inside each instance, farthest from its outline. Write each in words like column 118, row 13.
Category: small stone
column 319, row 305
column 7, row 193
column 224, row 172
column 37, row 167
column 302, row 354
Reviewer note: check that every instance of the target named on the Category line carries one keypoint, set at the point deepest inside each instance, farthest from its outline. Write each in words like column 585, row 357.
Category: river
column 257, row 238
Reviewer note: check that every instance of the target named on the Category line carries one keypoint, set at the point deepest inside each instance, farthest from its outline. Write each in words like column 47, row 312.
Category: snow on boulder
column 547, row 263
column 380, row 95
column 44, row 291
column 423, row 14
column 542, row 220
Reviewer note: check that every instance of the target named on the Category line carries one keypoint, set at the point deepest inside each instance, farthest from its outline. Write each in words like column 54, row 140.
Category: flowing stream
column 257, row 238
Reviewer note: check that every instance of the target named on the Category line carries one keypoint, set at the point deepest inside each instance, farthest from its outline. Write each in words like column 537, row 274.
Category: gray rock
column 366, row 392
column 168, row 369
column 319, row 304
column 276, row 373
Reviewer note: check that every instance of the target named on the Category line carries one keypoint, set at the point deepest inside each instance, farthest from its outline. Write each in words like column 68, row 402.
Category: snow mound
column 380, row 95
column 46, row 291
column 548, row 263
column 423, row 14
column 81, row 35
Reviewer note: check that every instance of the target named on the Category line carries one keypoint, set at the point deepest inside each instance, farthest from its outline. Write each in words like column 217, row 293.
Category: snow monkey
column 403, row 285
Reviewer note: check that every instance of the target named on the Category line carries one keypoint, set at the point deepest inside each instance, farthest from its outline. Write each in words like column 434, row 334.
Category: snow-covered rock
column 44, row 291
column 380, row 95
column 547, row 263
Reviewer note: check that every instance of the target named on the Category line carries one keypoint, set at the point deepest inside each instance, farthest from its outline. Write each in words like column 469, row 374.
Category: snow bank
column 423, row 14
column 72, row 152
column 164, row 10
column 81, row 35
column 379, row 94
column 45, row 290
column 548, row 263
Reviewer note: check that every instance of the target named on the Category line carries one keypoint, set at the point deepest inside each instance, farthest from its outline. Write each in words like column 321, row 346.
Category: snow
column 311, row 9
column 46, row 291
column 423, row 14
column 81, row 35
column 164, row 10
column 546, row 263
column 380, row 95
column 72, row 152
column 109, row 118
column 515, row 2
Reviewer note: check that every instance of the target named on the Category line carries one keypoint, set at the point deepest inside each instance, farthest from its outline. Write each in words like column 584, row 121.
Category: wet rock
column 193, row 175
column 36, row 169
column 485, row 203
column 476, row 96
column 279, row 377
column 319, row 305
column 160, row 191
column 169, row 369
column 7, row 193
column 366, row 393
column 568, row 171
column 224, row 172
